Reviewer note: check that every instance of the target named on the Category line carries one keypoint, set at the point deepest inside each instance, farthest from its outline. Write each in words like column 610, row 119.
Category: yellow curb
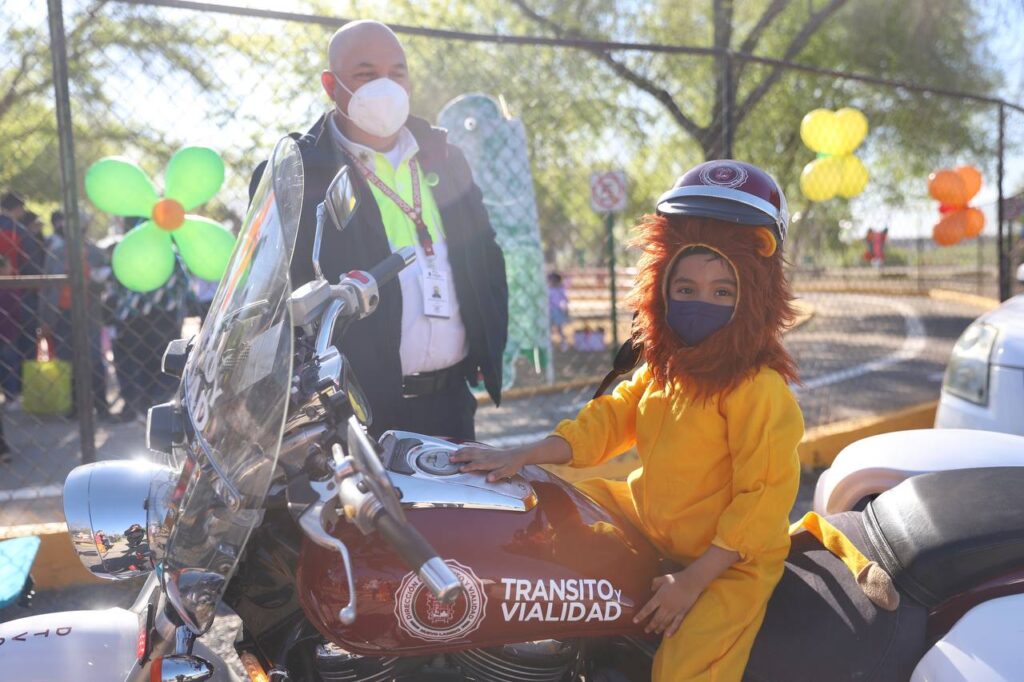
column 821, row 444
column 983, row 302
column 818, row 448
column 56, row 563
column 9, row 532
column 804, row 311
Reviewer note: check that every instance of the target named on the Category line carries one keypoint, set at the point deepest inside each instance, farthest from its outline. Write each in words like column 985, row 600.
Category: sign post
column 608, row 196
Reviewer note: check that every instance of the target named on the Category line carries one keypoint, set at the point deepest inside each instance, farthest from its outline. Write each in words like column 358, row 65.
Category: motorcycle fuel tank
column 559, row 566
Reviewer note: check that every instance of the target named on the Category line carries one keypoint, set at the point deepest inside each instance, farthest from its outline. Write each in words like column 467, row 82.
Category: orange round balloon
column 972, row 181
column 943, row 235
column 947, row 187
column 951, row 229
column 168, row 214
column 974, row 222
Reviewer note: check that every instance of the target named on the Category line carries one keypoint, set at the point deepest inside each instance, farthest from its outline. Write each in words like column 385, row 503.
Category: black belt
column 428, row 383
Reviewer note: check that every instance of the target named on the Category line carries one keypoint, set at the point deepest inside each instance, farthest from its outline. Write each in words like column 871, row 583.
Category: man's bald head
column 359, row 37
column 358, row 53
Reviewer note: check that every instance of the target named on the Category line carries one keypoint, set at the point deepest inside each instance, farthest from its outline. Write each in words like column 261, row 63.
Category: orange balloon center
column 168, row 214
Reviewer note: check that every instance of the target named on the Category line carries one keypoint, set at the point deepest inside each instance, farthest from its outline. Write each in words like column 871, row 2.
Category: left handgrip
column 386, row 270
column 419, row 556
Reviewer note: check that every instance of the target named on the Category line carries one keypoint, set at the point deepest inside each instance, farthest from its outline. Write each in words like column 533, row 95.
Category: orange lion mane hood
column 752, row 338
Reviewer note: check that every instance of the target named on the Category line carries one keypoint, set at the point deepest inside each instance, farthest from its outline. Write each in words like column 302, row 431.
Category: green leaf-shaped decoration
column 144, row 260
column 116, row 185
column 205, row 246
column 194, row 174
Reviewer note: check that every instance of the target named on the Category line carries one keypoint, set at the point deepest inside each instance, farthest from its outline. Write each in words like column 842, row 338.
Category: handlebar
column 419, row 556
column 386, row 270
column 357, row 294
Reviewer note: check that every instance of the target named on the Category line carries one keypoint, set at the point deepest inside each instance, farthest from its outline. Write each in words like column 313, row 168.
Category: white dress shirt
column 427, row 343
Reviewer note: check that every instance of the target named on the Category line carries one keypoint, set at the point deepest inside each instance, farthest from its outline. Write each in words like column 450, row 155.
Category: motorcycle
column 353, row 558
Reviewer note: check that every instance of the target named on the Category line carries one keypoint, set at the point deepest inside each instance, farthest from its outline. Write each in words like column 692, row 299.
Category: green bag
column 46, row 382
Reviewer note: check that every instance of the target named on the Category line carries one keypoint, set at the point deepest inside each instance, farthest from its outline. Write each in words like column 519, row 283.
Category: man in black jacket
column 444, row 321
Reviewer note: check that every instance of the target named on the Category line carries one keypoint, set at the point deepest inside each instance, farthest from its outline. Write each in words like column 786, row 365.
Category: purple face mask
column 695, row 321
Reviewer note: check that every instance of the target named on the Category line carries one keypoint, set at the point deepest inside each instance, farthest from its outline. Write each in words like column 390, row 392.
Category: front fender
column 86, row 646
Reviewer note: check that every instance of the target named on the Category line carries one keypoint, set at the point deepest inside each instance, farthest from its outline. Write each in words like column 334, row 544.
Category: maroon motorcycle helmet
column 729, row 190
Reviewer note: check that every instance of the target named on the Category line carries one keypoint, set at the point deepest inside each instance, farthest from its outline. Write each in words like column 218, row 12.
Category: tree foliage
column 653, row 114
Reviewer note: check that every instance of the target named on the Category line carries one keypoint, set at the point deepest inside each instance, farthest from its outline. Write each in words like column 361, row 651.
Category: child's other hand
column 674, row 596
column 500, row 463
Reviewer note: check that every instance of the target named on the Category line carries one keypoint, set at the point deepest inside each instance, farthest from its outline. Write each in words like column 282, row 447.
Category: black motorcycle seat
column 940, row 534
column 821, row 627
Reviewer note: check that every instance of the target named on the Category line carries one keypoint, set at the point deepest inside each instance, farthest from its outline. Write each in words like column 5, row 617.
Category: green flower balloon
column 144, row 259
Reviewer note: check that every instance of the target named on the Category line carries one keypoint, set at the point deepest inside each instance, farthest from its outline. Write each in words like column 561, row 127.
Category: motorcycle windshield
column 234, row 398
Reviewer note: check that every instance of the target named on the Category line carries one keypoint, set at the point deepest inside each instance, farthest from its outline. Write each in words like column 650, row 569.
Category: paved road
column 858, row 355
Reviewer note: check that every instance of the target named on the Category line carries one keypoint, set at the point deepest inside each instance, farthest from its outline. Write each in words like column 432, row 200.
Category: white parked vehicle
column 984, row 383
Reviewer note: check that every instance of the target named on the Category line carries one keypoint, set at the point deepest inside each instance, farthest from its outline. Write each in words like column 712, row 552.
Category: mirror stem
column 317, row 239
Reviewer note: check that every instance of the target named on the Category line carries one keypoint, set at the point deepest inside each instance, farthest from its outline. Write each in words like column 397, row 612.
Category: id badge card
column 436, row 298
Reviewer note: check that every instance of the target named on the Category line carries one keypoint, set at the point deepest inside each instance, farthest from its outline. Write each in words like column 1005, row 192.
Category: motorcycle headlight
column 107, row 508
column 968, row 371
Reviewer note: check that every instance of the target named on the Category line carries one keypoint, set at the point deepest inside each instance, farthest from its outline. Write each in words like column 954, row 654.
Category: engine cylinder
column 334, row 664
column 541, row 661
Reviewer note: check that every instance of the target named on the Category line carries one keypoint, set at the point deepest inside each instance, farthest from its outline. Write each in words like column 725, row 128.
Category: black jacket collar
column 433, row 142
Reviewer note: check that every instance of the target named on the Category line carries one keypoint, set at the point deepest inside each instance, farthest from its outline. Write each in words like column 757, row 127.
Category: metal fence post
column 1001, row 263
column 74, row 247
column 609, row 223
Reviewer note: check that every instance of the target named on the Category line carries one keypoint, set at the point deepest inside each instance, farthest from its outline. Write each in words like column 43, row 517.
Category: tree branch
column 13, row 94
column 754, row 37
column 7, row 101
column 622, row 70
column 798, row 43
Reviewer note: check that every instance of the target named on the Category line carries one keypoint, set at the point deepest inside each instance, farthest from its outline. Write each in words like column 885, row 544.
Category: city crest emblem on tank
column 422, row 615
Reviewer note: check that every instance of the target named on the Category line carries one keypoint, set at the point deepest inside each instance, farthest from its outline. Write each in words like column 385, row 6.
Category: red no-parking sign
column 608, row 191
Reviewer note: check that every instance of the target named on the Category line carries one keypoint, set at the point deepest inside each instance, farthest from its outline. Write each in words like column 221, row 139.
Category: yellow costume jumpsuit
column 721, row 472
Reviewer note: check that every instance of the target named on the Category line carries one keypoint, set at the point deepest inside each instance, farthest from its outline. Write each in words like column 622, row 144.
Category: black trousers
column 448, row 413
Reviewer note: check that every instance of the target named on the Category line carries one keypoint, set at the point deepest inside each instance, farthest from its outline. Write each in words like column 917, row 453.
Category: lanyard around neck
column 414, row 212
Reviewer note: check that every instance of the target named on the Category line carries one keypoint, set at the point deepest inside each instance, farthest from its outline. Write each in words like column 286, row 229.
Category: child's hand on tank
column 501, row 463
column 506, row 463
column 674, row 596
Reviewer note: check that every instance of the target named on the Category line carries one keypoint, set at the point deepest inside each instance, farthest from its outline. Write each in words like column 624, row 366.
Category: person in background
column 558, row 307
column 5, row 450
column 12, row 231
column 415, row 354
column 33, row 261
column 12, row 235
column 55, row 312
column 10, row 325
column 145, row 323
column 10, row 365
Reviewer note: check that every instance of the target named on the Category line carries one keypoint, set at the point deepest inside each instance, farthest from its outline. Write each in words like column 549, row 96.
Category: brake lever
column 313, row 522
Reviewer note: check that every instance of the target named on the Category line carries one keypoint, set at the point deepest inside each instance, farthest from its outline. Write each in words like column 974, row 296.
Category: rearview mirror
column 341, row 199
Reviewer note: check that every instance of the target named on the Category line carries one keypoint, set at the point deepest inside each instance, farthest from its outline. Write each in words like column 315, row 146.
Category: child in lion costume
column 710, row 413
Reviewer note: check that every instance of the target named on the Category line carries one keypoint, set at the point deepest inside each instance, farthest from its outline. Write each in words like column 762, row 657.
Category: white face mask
column 379, row 107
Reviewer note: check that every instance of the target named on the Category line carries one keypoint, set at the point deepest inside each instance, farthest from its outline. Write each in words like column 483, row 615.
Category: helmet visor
column 721, row 203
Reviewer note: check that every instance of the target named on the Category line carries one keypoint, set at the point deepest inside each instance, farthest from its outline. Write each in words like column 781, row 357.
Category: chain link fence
column 536, row 117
